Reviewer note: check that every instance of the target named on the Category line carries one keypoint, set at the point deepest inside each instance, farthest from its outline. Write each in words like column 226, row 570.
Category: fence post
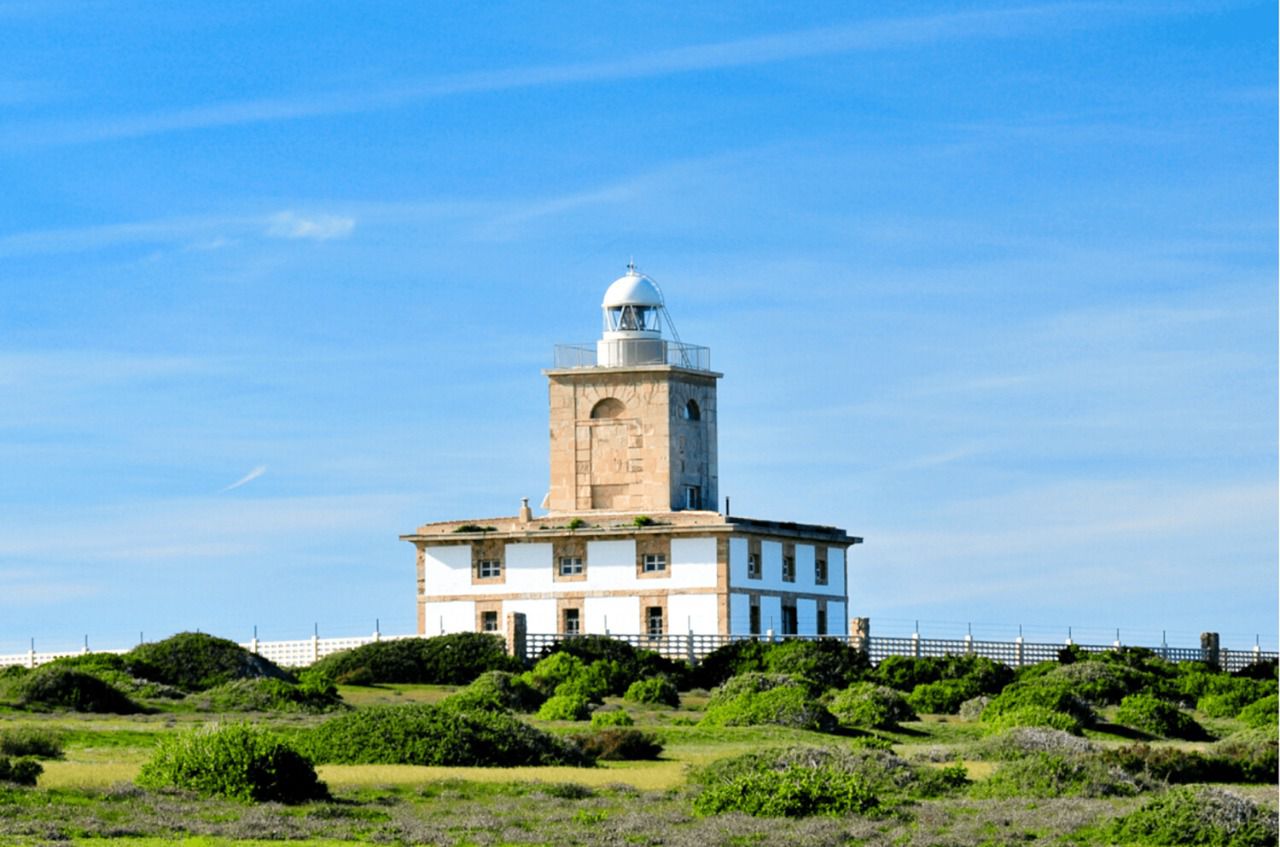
column 315, row 644
column 517, row 635
column 915, row 644
column 1017, row 652
column 31, row 655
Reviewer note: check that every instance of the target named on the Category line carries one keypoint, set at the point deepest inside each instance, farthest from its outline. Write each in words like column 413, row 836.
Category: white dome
column 633, row 289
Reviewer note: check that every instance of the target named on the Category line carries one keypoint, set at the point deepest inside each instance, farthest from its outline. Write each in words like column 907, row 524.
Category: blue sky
column 992, row 286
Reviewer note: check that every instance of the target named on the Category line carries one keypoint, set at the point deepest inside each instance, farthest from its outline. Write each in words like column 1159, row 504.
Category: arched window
column 691, row 412
column 609, row 407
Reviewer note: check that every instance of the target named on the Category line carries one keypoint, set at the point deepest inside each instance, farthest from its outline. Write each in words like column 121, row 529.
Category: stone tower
column 633, row 419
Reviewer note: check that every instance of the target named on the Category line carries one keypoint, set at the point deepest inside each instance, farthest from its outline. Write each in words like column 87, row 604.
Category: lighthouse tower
column 633, row 418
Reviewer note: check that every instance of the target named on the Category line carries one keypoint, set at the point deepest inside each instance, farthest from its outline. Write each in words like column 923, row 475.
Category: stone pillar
column 1209, row 647
column 517, row 631
column 860, row 635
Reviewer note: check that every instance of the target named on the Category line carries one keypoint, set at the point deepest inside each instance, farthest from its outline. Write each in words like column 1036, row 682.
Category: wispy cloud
column 247, row 478
column 871, row 35
column 314, row 227
column 209, row 232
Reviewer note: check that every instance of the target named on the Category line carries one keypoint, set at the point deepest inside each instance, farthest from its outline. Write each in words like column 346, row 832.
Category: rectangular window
column 653, row 621
column 788, row 568
column 822, row 622
column 572, row 621
column 820, row 571
column 755, row 620
column 692, row 497
column 789, row 620
column 489, row 568
column 655, row 562
column 570, row 565
column 753, row 566
column 489, row 621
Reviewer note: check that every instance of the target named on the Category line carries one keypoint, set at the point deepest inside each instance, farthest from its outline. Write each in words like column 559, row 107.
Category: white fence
column 692, row 647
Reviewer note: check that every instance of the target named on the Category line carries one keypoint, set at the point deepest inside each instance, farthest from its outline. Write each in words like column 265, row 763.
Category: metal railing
column 646, row 352
column 693, row 647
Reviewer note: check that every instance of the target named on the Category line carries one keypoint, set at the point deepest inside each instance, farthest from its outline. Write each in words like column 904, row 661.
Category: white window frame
column 571, row 565
column 654, row 563
column 489, row 568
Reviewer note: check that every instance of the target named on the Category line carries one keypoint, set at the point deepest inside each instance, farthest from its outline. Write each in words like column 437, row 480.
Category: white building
column 631, row 543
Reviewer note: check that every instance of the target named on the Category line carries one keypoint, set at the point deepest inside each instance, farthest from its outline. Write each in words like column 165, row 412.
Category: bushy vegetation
column 752, row 699
column 55, row 686
column 115, row 670
column 194, row 661
column 22, row 771
column 264, row 694
column 1035, row 716
column 1262, row 713
column 794, row 792
column 818, row 780
column 565, row 707
column 237, row 761
column 975, row 673
column 1196, row 816
column 823, row 663
column 31, row 741
column 454, row 659
column 1158, row 717
column 1045, row 774
column 870, row 706
column 654, row 691
column 567, row 675
column 619, row 745
column 1044, row 692
column 1019, row 741
column 626, row 663
column 500, row 690
column 423, row 734
column 602, row 718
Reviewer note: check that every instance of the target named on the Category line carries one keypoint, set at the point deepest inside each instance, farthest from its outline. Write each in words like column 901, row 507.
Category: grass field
column 87, row 797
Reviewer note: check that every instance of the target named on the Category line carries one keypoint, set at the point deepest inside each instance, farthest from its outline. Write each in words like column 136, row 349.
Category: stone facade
column 640, row 439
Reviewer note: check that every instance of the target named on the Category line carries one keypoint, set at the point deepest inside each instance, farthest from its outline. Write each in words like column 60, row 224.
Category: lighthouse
column 631, row 542
column 633, row 427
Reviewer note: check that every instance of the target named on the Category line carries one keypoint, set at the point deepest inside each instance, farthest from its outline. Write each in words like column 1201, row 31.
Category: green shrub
column 1264, row 669
column 795, row 792
column 58, row 687
column 1020, row 741
column 263, row 694
column 1225, row 696
column 500, row 690
column 944, row 697
column 454, row 659
column 24, row 771
column 1056, row 775
column 424, row 734
column 565, row 707
column 1099, row 681
column 656, row 691
column 889, row 778
column 1157, row 717
column 870, row 706
column 194, row 661
column 754, row 699
column 626, row 663
column 114, row 669
column 978, row 673
column 618, row 744
column 602, row 718
column 1261, row 713
column 823, row 662
column 237, row 761
column 728, row 661
column 1249, row 756
column 1043, row 691
column 1196, row 816
column 31, row 741
column 593, row 683
column 553, row 671
column 1035, row 716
